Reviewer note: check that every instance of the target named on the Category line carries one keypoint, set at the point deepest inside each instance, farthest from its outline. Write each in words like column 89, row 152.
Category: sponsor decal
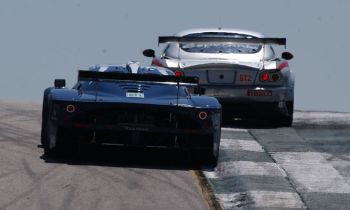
column 260, row 93
column 135, row 95
column 245, row 78
column 129, row 128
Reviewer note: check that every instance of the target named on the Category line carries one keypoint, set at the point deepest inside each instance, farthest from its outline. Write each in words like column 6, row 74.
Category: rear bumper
column 246, row 94
column 139, row 125
column 136, row 128
column 254, row 102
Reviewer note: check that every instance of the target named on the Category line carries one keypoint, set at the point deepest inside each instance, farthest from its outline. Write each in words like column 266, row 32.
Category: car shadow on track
column 128, row 157
column 250, row 124
column 139, row 157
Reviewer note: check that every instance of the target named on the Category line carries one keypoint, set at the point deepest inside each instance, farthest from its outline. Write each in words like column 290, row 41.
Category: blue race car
column 131, row 105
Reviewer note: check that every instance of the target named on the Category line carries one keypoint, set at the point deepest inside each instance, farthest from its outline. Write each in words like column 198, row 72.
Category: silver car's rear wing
column 192, row 39
column 84, row 75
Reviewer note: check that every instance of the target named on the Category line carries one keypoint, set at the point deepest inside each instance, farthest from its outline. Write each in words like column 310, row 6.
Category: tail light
column 275, row 77
column 70, row 108
column 202, row 115
column 179, row 73
column 265, row 76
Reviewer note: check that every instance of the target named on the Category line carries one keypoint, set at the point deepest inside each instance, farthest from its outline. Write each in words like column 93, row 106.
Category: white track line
column 234, row 129
column 241, row 168
column 265, row 199
column 243, row 145
column 312, row 171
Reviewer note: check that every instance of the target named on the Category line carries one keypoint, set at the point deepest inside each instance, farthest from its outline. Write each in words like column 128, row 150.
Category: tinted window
column 220, row 47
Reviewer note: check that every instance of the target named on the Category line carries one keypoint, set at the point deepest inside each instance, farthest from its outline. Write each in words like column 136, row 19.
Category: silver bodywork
column 234, row 77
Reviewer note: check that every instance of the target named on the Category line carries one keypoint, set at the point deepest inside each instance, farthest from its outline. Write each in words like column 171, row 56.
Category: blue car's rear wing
column 192, row 39
column 84, row 75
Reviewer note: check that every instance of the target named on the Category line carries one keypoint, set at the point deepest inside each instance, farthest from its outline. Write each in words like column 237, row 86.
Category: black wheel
column 44, row 115
column 210, row 158
column 43, row 121
column 51, row 141
column 287, row 120
column 211, row 154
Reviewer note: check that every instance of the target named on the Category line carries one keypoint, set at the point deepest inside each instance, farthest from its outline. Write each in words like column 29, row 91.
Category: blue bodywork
column 148, row 112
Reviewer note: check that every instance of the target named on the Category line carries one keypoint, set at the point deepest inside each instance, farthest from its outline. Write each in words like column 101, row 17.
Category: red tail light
column 179, row 73
column 265, row 76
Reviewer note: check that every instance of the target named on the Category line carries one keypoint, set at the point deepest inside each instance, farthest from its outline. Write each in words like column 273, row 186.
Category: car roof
column 132, row 67
column 228, row 30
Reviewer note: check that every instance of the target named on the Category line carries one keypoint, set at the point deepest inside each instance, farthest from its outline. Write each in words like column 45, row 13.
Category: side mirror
column 287, row 55
column 149, row 53
column 199, row 90
column 60, row 83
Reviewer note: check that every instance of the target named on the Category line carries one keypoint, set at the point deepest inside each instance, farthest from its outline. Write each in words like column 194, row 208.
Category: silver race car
column 238, row 67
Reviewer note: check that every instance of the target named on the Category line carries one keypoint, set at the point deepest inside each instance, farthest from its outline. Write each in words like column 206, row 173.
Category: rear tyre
column 43, row 121
column 210, row 157
column 287, row 120
column 51, row 140
column 211, row 154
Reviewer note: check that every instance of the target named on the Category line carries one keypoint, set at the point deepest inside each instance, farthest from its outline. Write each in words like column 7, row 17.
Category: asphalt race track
column 304, row 167
column 97, row 178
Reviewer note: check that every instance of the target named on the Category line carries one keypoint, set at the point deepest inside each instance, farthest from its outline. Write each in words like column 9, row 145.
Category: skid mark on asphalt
column 6, row 174
column 110, row 186
column 247, row 177
column 32, row 187
column 123, row 183
column 19, row 136
column 35, row 177
column 167, row 181
column 70, row 192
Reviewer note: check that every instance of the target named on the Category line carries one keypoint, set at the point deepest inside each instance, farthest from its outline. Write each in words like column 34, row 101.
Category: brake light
column 265, row 76
column 179, row 73
column 156, row 62
column 282, row 65
column 275, row 77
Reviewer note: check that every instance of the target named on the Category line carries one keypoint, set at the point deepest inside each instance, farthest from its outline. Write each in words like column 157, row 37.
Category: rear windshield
column 220, row 47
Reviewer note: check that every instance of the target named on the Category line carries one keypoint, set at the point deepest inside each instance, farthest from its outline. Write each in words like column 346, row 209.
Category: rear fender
column 64, row 94
column 205, row 102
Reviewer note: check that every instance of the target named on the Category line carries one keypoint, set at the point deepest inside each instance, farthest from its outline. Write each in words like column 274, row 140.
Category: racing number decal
column 245, row 78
